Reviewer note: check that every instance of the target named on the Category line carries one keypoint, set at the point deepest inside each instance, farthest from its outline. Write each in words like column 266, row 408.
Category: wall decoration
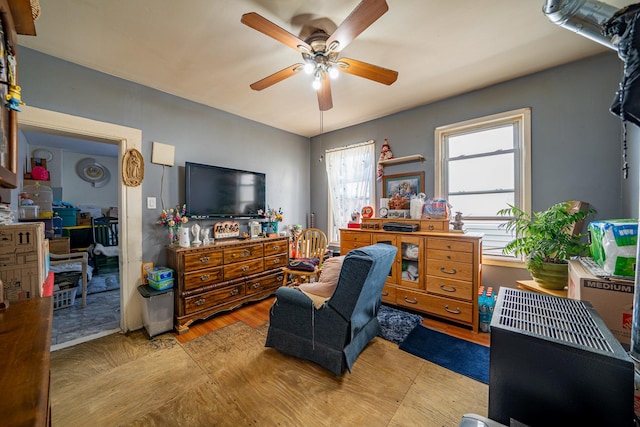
column 91, row 171
column 8, row 116
column 132, row 168
column 401, row 187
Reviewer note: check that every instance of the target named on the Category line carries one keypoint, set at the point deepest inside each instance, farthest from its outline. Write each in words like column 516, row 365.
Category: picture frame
column 8, row 117
column 400, row 188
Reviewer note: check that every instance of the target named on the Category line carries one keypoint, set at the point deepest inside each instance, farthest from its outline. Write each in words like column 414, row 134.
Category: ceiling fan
column 320, row 51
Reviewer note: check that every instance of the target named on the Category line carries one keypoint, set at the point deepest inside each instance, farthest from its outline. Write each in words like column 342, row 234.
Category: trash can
column 157, row 310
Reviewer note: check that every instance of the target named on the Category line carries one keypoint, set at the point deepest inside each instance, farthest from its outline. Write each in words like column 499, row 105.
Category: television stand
column 224, row 275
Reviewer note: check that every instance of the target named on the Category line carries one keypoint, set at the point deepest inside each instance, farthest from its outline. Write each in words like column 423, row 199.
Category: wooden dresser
column 25, row 339
column 435, row 272
column 223, row 276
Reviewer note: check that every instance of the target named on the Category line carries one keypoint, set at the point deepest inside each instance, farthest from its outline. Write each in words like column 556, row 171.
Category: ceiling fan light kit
column 320, row 51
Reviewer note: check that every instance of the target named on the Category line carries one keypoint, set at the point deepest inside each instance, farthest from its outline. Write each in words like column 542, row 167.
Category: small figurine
column 457, row 221
column 195, row 229
column 205, row 237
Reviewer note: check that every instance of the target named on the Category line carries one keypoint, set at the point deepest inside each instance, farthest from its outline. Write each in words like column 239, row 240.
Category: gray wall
column 576, row 141
column 199, row 133
column 576, row 147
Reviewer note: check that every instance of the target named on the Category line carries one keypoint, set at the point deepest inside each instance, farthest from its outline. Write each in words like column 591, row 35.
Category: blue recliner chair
column 334, row 335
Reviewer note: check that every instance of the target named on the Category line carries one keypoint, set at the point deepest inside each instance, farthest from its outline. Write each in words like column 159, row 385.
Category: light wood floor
column 220, row 373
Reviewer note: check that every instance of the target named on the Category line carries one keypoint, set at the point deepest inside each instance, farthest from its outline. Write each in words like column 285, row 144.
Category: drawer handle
column 456, row 311
column 385, row 293
column 448, row 256
column 447, row 288
column 276, row 248
column 204, row 259
column 234, row 292
column 448, row 246
column 414, row 301
column 280, row 277
column 204, row 277
column 431, row 227
column 256, row 285
column 452, row 271
column 276, row 261
column 245, row 267
column 200, row 302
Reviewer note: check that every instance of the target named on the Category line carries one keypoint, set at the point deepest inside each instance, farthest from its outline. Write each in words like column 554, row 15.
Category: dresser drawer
column 389, row 294
column 449, row 269
column 201, row 278
column 239, row 254
column 200, row 260
column 450, row 288
column 276, row 261
column 276, row 248
column 265, row 283
column 449, row 245
column 453, row 309
column 246, row 268
column 440, row 225
column 353, row 240
column 450, row 255
column 211, row 299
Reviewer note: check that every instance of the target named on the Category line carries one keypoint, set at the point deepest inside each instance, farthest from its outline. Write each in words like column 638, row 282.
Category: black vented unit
column 554, row 362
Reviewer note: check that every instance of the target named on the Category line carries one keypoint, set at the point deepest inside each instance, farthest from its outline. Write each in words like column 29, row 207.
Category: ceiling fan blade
column 270, row 29
column 276, row 77
column 365, row 14
column 324, row 94
column 369, row 71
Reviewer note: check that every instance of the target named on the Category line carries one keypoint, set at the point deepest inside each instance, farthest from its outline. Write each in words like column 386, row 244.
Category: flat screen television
column 217, row 192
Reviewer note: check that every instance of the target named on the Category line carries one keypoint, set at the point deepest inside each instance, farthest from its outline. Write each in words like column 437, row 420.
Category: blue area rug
column 464, row 357
column 396, row 324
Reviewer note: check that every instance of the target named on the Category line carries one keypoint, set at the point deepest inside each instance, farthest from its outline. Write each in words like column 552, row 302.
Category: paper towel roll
column 184, row 237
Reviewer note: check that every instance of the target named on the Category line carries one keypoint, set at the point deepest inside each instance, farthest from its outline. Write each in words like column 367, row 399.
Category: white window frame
column 372, row 187
column 521, row 118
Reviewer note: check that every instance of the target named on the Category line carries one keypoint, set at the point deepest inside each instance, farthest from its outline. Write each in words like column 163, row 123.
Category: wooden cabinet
column 436, row 273
column 223, row 276
column 25, row 340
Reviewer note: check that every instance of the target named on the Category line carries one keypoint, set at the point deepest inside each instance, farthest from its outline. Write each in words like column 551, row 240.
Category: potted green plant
column 547, row 240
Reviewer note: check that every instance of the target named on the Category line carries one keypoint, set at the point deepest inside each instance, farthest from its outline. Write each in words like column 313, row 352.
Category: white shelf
column 405, row 159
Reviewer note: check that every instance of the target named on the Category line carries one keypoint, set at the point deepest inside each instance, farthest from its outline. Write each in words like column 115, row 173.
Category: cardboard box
column 612, row 299
column 83, row 218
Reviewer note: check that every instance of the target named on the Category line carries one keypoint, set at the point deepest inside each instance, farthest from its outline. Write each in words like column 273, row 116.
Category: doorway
column 129, row 198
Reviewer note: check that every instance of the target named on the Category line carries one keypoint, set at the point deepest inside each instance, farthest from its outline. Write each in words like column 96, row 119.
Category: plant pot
column 552, row 276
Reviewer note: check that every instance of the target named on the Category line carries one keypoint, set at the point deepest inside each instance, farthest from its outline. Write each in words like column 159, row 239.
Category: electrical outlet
column 151, row 202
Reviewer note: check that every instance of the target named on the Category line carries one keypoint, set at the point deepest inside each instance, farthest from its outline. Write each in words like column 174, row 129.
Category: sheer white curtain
column 351, row 179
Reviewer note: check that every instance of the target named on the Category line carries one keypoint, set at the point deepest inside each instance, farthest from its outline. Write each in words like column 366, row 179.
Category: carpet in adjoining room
column 396, row 324
column 458, row 355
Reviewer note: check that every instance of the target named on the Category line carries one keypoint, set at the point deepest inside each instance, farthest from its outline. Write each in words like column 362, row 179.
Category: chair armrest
column 293, row 296
column 56, row 259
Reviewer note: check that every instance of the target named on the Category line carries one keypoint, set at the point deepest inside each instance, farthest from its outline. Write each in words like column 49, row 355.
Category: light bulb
column 333, row 72
column 316, row 84
column 309, row 67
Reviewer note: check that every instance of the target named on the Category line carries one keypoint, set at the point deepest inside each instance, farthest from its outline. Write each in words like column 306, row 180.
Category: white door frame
column 129, row 198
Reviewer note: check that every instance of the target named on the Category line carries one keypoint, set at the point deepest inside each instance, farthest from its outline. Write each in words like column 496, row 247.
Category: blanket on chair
column 100, row 249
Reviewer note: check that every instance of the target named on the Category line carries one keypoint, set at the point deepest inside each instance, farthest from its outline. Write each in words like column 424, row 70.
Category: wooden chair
column 105, row 251
column 311, row 243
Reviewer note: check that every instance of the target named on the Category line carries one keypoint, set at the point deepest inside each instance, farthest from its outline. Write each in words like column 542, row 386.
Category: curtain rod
column 371, row 141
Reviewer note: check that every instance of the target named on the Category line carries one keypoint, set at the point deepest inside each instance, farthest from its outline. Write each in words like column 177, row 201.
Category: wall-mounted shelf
column 405, row 159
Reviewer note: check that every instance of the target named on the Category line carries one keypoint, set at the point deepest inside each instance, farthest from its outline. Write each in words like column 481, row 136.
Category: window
column 351, row 179
column 481, row 165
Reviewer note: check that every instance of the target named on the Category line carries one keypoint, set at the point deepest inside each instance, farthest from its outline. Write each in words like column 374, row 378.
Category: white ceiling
column 199, row 50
